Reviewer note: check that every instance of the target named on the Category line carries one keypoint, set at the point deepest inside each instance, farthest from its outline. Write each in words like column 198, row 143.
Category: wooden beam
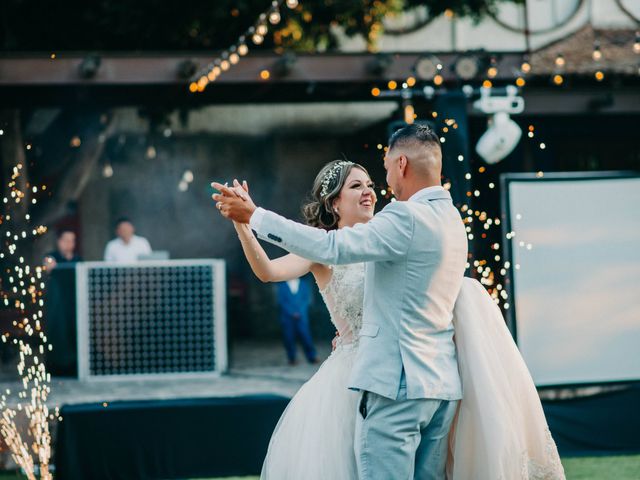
column 41, row 70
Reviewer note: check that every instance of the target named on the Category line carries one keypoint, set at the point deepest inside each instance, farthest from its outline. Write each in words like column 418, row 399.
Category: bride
column 500, row 431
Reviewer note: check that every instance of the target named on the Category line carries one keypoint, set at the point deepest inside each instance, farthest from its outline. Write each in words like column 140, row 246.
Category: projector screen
column 575, row 275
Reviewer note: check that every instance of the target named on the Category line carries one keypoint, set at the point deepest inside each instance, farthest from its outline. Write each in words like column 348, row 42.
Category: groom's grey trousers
column 402, row 439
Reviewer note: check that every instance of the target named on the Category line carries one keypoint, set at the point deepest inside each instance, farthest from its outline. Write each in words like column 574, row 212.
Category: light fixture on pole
column 503, row 134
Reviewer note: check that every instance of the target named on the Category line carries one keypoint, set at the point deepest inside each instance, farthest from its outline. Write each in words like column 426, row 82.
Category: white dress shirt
column 118, row 251
column 419, row 193
column 294, row 285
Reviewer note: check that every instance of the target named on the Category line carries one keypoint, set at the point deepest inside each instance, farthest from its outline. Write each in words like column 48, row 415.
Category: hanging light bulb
column 257, row 39
column 224, row 65
column 636, row 44
column 202, row 82
column 560, row 61
column 243, row 49
column 187, row 176
column 234, row 58
column 597, row 54
column 262, row 29
column 274, row 17
column 292, row 3
column 107, row 171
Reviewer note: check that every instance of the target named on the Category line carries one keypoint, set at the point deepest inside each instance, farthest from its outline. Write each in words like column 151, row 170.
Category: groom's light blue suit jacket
column 416, row 253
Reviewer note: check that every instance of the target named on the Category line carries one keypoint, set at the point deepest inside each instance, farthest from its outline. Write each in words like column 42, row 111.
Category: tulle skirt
column 314, row 437
column 500, row 431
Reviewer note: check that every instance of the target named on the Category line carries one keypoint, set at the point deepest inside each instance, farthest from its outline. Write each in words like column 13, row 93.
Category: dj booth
column 157, row 319
column 145, row 319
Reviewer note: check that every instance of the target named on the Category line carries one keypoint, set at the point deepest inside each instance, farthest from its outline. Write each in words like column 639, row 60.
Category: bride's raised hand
column 242, row 190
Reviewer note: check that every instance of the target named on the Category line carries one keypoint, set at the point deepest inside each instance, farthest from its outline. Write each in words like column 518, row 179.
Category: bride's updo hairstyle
column 318, row 211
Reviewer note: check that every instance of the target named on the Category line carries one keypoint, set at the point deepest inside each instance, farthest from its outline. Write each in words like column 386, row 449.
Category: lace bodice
column 344, row 295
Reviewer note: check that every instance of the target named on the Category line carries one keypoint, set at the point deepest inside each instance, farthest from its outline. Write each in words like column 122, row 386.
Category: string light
column 560, row 61
column 597, row 54
column 262, row 29
column 636, row 43
column 256, row 33
column 274, row 17
column 492, row 71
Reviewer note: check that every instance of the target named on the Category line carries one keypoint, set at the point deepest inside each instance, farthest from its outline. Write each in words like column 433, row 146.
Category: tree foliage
column 161, row 25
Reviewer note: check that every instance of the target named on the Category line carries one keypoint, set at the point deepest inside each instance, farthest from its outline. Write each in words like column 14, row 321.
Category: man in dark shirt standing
column 65, row 251
column 60, row 306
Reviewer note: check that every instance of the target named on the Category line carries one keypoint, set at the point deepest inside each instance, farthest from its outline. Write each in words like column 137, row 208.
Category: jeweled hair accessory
column 331, row 175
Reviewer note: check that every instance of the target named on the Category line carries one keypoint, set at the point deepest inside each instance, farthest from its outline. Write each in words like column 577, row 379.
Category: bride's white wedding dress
column 314, row 437
column 500, row 432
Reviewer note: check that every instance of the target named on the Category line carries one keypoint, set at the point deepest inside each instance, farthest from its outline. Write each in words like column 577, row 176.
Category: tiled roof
column 577, row 49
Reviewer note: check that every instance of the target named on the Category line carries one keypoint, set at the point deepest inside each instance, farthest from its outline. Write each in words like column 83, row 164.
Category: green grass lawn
column 596, row 468
column 581, row 468
column 577, row 468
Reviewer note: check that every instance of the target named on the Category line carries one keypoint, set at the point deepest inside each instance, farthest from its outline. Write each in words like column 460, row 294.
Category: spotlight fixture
column 187, row 69
column 284, row 64
column 503, row 134
column 467, row 67
column 427, row 67
column 379, row 64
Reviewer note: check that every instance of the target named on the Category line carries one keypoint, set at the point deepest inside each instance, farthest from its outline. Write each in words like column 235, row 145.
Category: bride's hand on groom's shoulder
column 234, row 202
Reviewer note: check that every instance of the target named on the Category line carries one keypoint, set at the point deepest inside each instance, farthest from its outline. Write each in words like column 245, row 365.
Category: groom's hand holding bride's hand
column 234, row 202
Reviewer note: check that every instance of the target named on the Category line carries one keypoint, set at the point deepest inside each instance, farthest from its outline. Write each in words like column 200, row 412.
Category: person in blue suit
column 294, row 298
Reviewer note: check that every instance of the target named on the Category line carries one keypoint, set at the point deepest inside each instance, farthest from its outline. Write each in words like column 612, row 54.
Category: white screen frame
column 553, row 367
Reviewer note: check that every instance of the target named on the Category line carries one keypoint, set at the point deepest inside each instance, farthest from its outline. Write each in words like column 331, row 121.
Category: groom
column 416, row 252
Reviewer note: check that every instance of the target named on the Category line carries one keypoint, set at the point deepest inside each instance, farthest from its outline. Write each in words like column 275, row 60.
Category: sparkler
column 22, row 288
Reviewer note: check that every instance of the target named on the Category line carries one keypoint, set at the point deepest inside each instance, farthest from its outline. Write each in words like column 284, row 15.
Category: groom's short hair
column 422, row 146
column 415, row 133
